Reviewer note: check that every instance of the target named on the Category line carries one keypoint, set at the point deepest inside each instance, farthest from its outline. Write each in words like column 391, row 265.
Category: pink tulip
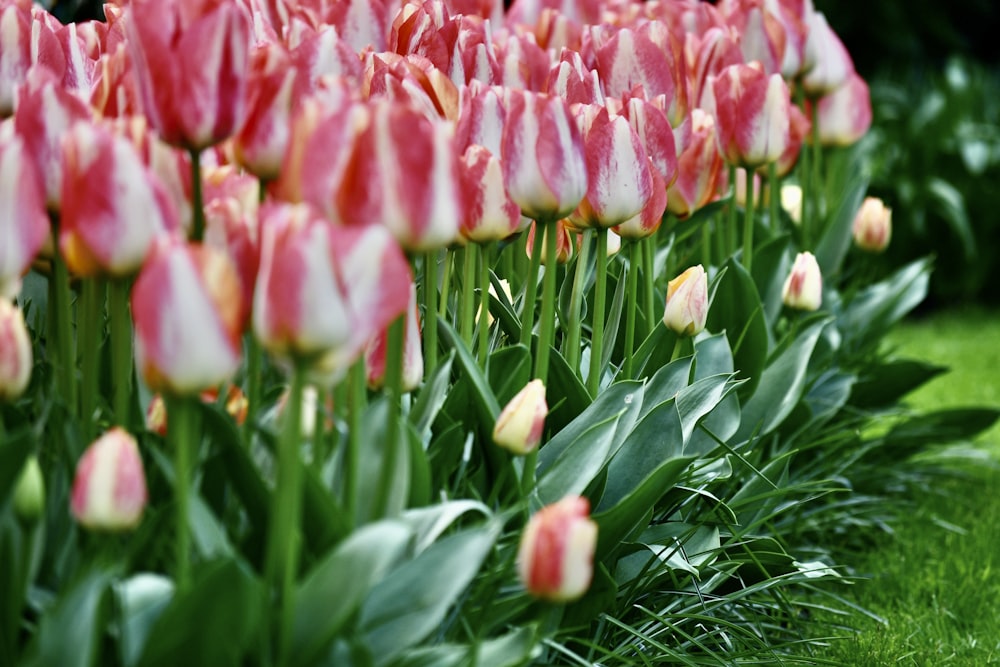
column 555, row 559
column 490, row 213
column 700, row 174
column 114, row 208
column 24, row 225
column 261, row 142
column 413, row 356
column 845, row 115
column 687, row 302
column 109, row 488
column 481, row 117
column 187, row 310
column 707, row 55
column 752, row 115
column 630, row 61
column 232, row 201
column 803, row 289
column 571, row 80
column 545, row 166
column 519, row 427
column 873, row 225
column 15, row 352
column 831, row 63
column 799, row 127
column 648, row 220
column 15, row 52
column 191, row 59
column 564, row 240
column 649, row 120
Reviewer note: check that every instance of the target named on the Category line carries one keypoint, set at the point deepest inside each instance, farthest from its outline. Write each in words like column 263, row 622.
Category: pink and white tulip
column 490, row 213
column 845, row 115
column 24, row 225
column 700, row 174
column 413, row 356
column 872, row 227
column 109, row 488
column 555, row 559
column 803, row 289
column 751, row 111
column 687, row 302
column 519, row 427
column 15, row 352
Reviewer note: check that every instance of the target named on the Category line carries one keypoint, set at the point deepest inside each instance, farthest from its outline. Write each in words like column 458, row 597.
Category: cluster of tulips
column 323, row 181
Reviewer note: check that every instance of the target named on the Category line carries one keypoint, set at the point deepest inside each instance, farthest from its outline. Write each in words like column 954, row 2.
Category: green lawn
column 936, row 581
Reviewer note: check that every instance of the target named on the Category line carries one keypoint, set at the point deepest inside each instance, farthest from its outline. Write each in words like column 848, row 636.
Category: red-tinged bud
column 545, row 166
column 15, row 352
column 24, row 225
column 520, row 425
column 490, row 213
column 413, row 356
column 687, row 302
column 873, row 225
column 845, row 115
column 187, row 310
column 803, row 289
column 114, row 207
column 832, row 64
column 109, row 489
column 752, row 115
column 191, row 59
column 700, row 168
column 555, row 559
column 791, row 201
column 261, row 142
column 564, row 240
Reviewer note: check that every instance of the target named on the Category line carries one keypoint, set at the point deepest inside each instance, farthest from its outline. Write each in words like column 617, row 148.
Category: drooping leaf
column 737, row 309
column 887, row 382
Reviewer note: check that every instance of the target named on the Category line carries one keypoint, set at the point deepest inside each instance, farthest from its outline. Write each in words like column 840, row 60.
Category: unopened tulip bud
column 564, row 241
column 791, row 202
column 15, row 352
column 687, row 302
column 29, row 492
column 520, row 424
column 556, row 556
column 873, row 225
column 803, row 288
column 109, row 489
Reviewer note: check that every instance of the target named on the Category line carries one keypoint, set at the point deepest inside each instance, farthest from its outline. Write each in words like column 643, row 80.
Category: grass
column 936, row 580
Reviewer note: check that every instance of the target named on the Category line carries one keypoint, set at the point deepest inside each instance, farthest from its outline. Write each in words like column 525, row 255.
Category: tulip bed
column 439, row 333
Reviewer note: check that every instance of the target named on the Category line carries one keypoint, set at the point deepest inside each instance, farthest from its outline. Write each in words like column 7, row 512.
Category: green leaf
column 141, row 600
column 940, row 427
column 772, row 264
column 428, row 523
column 503, row 310
column 665, row 384
column 508, row 371
column 738, row 310
column 655, row 351
column 568, row 397
column 69, row 633
column 214, row 623
column 781, row 384
column 874, row 309
column 698, row 400
column 673, row 545
column 431, row 398
column 331, row 593
column 14, row 451
column 837, row 237
column 372, row 456
column 510, row 650
column 950, row 204
column 482, row 395
column 412, row 602
column 613, row 323
column 580, row 462
column 887, row 382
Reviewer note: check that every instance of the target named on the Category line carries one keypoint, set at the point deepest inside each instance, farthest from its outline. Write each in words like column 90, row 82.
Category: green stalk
column 732, row 223
column 649, row 275
column 678, row 348
column 120, row 324
column 774, row 194
column 91, row 314
column 706, row 245
column 449, row 260
column 394, row 390
column 531, row 287
column 600, row 295
column 804, row 173
column 283, row 541
column 548, row 321
column 816, row 178
column 634, row 252
column 468, row 316
column 575, row 327
column 430, row 312
column 197, row 206
column 484, row 304
column 358, row 400
column 748, row 212
column 253, row 385
column 182, row 431
column 64, row 341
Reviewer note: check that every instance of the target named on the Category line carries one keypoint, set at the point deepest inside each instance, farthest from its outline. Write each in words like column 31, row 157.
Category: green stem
column 283, row 541
column 430, row 312
column 635, row 251
column 748, row 213
column 678, row 348
column 732, row 222
column 548, row 321
column 468, row 294
column 600, row 295
column 815, row 188
column 449, row 260
column 774, row 195
column 706, row 245
column 358, row 400
column 575, row 327
column 484, row 304
column 197, row 206
column 65, row 343
column 531, row 288
column 182, row 431
column 649, row 275
column 253, row 386
column 91, row 313
column 528, row 474
column 120, row 324
column 394, row 389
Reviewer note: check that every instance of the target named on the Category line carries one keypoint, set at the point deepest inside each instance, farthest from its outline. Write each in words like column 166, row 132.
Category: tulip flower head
column 520, row 424
column 752, row 113
column 29, row 492
column 24, row 224
column 803, row 288
column 15, row 352
column 873, row 225
column 791, row 201
column 555, row 559
column 109, row 489
column 687, row 302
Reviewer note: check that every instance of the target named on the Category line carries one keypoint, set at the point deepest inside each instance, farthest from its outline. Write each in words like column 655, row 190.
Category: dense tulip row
column 283, row 174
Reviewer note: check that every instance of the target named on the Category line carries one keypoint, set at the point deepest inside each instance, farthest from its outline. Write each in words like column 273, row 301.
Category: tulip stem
column 815, row 178
column 576, row 304
column 394, row 389
column 182, row 431
column 253, row 386
column 449, row 259
column 678, row 348
column 600, row 295
column 484, row 304
column 120, row 324
column 197, row 206
column 548, row 322
column 531, row 288
column 632, row 284
column 91, row 313
column 774, row 194
column 733, row 222
column 430, row 312
column 283, row 542
column 358, row 398
column 62, row 313
column 649, row 275
column 468, row 294
column 748, row 215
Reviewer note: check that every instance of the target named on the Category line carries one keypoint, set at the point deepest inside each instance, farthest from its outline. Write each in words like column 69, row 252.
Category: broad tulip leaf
column 141, row 599
column 838, row 235
column 737, row 310
column 373, row 455
column 431, row 398
column 483, row 396
column 699, row 399
column 874, row 309
column 510, row 650
column 613, row 323
column 503, row 310
column 676, row 545
column 215, row 622
column 655, row 351
column 580, row 462
column 569, row 398
column 428, row 523
column 939, row 427
column 771, row 266
column 414, row 599
column 665, row 384
column 333, row 590
column 886, row 383
column 508, row 370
